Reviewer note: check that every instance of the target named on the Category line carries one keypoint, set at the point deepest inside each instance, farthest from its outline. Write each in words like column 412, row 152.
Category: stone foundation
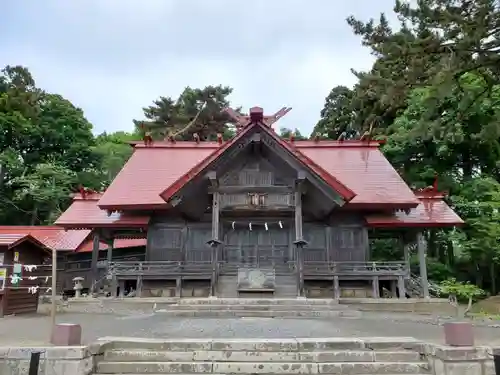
column 461, row 361
column 384, row 354
column 77, row 360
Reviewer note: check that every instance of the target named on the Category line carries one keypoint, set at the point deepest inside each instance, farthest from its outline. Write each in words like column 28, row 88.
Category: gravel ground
column 35, row 330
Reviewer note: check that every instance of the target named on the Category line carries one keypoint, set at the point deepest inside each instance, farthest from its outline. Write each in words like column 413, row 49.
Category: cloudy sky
column 112, row 57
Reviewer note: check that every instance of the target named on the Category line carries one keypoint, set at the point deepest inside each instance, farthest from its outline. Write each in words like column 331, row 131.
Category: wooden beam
column 251, row 189
column 212, row 177
column 422, row 255
column 95, row 258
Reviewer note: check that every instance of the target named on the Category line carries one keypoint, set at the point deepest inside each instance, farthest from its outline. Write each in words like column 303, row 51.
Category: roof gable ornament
column 256, row 115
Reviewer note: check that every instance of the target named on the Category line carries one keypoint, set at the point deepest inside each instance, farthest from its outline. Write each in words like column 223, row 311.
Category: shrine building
column 257, row 215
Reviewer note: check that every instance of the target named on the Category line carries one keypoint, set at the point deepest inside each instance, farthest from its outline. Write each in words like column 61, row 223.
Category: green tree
column 338, row 114
column 437, row 43
column 198, row 111
column 45, row 143
column 286, row 133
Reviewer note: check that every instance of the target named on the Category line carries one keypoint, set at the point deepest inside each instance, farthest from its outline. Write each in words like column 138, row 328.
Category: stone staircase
column 413, row 287
column 352, row 356
column 256, row 307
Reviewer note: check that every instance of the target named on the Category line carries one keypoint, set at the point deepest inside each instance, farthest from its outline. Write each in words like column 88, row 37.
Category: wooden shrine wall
column 341, row 240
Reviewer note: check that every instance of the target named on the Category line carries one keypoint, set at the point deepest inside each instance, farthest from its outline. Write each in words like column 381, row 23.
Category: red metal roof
column 431, row 212
column 119, row 243
column 85, row 213
column 50, row 236
column 345, row 192
column 12, row 240
column 357, row 170
column 150, row 170
column 364, row 169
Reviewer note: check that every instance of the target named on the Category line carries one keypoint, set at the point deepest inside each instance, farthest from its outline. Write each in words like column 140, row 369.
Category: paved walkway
column 35, row 330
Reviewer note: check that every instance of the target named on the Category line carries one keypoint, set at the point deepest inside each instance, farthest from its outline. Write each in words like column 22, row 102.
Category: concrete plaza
column 35, row 330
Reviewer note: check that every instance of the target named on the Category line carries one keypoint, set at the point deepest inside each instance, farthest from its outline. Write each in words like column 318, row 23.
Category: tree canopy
column 433, row 94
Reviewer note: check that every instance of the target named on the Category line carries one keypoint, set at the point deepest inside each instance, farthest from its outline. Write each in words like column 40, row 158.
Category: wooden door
column 257, row 247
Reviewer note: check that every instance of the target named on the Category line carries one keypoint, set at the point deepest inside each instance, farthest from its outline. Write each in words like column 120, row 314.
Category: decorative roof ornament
column 85, row 192
column 432, row 190
column 256, row 114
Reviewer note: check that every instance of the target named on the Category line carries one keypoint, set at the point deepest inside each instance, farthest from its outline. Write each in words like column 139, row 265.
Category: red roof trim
column 197, row 169
column 343, row 190
column 414, row 225
column 335, row 144
column 102, row 225
column 434, row 217
column 31, row 239
column 339, row 187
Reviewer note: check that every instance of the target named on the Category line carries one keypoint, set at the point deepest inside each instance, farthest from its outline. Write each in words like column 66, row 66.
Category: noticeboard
column 3, row 277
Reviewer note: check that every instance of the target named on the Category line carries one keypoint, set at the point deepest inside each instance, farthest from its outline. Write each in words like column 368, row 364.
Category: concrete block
column 265, row 345
column 246, row 356
column 66, row 334
column 373, row 368
column 325, row 344
column 264, row 368
column 158, row 344
column 463, row 368
column 338, row 356
column 458, row 334
column 153, row 367
column 131, row 355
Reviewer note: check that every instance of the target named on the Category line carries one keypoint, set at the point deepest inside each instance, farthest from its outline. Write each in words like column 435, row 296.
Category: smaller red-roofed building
column 23, row 272
column 258, row 215
column 74, row 249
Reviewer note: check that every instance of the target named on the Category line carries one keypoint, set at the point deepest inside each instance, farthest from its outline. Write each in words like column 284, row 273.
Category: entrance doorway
column 257, row 247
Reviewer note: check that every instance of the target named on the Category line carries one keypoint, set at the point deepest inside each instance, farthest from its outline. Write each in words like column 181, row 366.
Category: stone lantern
column 78, row 286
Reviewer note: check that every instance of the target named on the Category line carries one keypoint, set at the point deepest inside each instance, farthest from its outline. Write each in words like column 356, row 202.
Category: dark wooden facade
column 79, row 264
column 257, row 208
column 19, row 299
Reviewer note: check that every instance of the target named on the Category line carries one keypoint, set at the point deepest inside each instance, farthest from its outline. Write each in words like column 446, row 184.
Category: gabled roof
column 85, row 213
column 59, row 238
column 150, row 170
column 164, row 167
column 362, row 167
column 50, row 236
column 346, row 193
column 13, row 240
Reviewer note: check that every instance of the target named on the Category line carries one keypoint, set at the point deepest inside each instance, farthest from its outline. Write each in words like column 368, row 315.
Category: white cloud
column 113, row 57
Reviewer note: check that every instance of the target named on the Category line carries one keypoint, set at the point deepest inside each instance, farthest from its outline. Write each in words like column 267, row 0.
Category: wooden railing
column 310, row 269
column 160, row 268
column 355, row 269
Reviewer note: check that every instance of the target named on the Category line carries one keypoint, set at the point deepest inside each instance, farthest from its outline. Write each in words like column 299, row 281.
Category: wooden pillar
column 110, row 273
column 422, row 255
column 394, row 289
column 95, row 257
column 375, row 287
column 401, row 287
column 406, row 252
column 214, row 242
column 336, row 287
column 138, row 291
column 121, row 285
column 299, row 238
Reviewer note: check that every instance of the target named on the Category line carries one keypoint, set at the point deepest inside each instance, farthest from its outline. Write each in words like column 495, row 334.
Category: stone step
column 265, row 345
column 273, row 313
column 134, row 355
column 259, row 307
column 284, row 368
column 258, row 301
